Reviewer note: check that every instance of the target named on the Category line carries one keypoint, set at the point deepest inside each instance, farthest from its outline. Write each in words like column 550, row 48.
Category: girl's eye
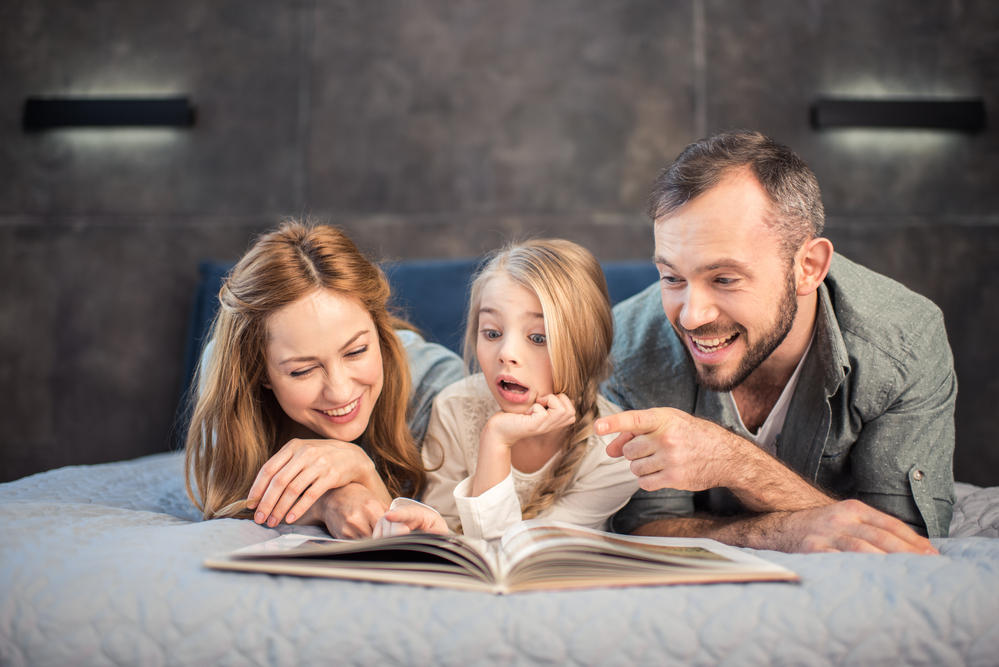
column 490, row 334
column 358, row 352
column 537, row 339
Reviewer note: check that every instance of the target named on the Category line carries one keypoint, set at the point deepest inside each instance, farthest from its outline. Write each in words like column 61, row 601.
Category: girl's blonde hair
column 237, row 423
column 579, row 327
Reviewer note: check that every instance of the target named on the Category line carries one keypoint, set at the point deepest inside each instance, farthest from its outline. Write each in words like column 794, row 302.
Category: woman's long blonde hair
column 237, row 424
column 579, row 327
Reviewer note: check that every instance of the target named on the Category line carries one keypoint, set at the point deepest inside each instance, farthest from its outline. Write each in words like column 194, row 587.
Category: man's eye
column 537, row 339
column 671, row 280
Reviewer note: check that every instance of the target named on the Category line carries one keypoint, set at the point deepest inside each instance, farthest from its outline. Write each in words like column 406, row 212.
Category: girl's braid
column 561, row 475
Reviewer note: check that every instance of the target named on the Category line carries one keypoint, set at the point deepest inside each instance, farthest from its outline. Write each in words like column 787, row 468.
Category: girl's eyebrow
column 313, row 358
column 493, row 311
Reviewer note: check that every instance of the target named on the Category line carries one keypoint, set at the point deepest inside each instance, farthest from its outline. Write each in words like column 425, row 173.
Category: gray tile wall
column 442, row 129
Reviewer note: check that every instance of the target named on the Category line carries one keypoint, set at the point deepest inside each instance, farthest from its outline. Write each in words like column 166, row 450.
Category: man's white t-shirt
column 766, row 437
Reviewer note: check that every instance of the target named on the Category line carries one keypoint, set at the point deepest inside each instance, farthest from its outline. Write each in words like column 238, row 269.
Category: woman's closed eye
column 357, row 352
column 302, row 372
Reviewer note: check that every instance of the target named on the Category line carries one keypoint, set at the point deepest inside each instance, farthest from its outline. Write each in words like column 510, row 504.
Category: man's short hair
column 797, row 212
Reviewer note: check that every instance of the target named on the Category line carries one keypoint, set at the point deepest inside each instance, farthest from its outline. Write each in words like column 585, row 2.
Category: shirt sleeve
column 902, row 459
column 489, row 515
column 648, row 506
column 432, row 367
column 445, row 460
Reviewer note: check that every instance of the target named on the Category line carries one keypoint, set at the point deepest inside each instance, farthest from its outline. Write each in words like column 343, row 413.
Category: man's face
column 726, row 286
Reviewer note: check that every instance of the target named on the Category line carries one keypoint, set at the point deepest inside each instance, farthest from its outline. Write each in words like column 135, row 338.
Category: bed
column 102, row 565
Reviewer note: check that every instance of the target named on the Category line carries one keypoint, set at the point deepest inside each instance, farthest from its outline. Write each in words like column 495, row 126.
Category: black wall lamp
column 43, row 113
column 967, row 114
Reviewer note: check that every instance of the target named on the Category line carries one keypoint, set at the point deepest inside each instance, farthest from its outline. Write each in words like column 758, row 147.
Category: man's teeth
column 712, row 344
column 340, row 412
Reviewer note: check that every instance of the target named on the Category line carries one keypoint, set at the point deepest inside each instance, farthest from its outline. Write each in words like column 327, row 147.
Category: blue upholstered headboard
column 430, row 293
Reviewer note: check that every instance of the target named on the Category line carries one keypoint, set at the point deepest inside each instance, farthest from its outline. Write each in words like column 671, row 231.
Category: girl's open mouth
column 512, row 391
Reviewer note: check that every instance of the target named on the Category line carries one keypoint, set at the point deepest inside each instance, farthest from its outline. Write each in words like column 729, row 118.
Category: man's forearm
column 756, row 531
column 765, row 484
column 848, row 525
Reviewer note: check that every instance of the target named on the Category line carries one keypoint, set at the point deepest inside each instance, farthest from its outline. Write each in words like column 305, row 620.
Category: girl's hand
column 302, row 471
column 549, row 413
column 410, row 517
column 505, row 429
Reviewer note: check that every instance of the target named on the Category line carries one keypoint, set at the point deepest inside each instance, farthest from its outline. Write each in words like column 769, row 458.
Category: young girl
column 515, row 441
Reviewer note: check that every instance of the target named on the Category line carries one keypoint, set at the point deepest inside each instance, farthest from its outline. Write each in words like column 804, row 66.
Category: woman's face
column 324, row 364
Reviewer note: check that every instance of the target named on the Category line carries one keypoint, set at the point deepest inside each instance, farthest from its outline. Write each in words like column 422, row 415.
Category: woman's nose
column 336, row 387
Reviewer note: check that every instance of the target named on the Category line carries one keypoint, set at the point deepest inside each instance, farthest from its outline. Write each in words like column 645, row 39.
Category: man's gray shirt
column 872, row 416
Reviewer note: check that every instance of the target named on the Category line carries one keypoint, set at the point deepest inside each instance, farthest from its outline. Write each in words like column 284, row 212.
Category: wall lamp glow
column 967, row 114
column 44, row 113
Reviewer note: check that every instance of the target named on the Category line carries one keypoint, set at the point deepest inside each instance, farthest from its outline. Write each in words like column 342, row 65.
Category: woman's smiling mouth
column 337, row 414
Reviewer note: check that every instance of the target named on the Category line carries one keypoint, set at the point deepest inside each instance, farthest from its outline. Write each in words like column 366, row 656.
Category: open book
column 533, row 555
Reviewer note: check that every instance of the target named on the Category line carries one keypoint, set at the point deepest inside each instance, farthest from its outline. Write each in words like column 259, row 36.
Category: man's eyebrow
column 312, row 358
column 726, row 263
column 659, row 259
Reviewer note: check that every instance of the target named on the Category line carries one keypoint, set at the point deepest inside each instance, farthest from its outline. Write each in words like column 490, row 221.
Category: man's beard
column 708, row 376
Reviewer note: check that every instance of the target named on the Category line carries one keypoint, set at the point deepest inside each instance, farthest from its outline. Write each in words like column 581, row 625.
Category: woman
column 305, row 389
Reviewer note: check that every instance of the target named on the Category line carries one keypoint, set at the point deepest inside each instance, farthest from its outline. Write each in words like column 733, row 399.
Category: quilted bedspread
column 101, row 565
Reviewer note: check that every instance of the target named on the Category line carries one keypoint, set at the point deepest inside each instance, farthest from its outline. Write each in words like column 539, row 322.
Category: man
column 773, row 377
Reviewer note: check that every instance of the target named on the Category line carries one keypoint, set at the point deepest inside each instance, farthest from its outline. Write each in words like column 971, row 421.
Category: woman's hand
column 405, row 519
column 303, row 471
column 348, row 513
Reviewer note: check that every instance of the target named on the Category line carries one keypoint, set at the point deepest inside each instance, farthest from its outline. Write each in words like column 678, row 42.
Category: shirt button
column 918, row 475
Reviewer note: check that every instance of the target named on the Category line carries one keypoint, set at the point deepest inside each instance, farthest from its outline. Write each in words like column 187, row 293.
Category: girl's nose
column 509, row 352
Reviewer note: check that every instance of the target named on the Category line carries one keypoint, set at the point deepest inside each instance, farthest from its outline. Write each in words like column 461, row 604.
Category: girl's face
column 512, row 346
column 324, row 364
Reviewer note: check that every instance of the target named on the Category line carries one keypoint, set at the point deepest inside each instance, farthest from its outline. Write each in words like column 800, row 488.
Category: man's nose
column 698, row 309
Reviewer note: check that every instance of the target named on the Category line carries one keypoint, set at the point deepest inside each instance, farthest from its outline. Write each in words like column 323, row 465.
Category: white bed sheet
column 101, row 565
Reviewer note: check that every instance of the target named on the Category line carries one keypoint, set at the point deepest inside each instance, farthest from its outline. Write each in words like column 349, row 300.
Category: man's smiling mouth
column 709, row 345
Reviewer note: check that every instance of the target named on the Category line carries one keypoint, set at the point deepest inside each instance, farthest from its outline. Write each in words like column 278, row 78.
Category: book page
column 528, row 539
column 535, row 555
column 416, row 552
